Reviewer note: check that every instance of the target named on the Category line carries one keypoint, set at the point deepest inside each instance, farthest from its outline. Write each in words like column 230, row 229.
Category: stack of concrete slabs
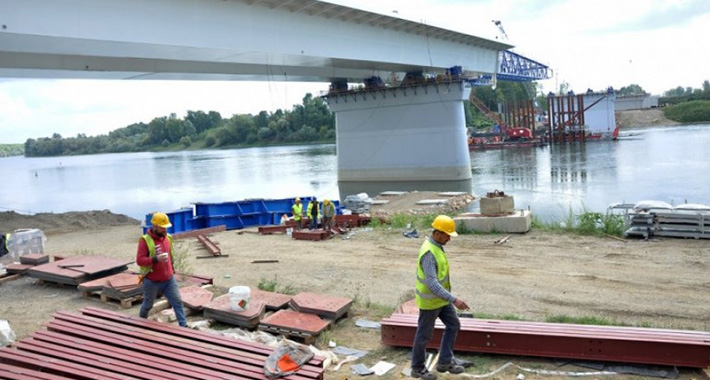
column 274, row 301
column 34, row 259
column 323, row 305
column 195, row 297
column 289, row 322
column 78, row 269
column 220, row 309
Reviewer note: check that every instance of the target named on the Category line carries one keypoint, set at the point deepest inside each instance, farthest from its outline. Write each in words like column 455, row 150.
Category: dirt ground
column 660, row 283
column 643, row 118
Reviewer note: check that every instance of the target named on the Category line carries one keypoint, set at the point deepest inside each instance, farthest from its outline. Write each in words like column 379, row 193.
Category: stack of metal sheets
column 220, row 309
column 326, row 306
column 34, row 259
column 77, row 269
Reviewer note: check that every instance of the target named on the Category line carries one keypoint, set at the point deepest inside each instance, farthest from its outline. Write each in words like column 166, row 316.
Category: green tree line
column 687, row 105
column 11, row 150
column 308, row 122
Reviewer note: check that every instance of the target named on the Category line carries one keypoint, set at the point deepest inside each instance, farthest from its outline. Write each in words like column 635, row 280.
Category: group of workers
column 326, row 209
column 432, row 286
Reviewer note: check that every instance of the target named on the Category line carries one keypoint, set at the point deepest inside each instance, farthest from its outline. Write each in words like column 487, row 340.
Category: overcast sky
column 658, row 44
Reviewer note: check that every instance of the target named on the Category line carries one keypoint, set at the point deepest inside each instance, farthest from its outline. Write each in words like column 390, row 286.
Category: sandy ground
column 660, row 283
column 643, row 118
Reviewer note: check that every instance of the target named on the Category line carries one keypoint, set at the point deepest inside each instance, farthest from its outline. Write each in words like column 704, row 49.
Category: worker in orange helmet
column 435, row 300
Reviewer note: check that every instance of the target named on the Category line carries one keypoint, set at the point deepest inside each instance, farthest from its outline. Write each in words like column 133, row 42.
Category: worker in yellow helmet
column 328, row 214
column 155, row 259
column 297, row 211
column 435, row 300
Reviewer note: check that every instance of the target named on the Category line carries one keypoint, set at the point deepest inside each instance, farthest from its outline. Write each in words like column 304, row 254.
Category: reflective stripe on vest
column 424, row 297
column 297, row 210
column 151, row 251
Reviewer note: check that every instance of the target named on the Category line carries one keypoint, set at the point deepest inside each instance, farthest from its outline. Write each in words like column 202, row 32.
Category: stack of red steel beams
column 310, row 235
column 100, row 344
column 556, row 340
column 268, row 230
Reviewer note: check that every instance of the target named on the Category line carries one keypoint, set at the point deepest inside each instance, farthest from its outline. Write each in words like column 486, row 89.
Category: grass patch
column 181, row 257
column 584, row 320
column 272, row 285
column 586, row 223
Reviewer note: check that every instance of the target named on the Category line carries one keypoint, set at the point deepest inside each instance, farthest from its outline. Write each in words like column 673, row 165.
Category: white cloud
column 589, row 44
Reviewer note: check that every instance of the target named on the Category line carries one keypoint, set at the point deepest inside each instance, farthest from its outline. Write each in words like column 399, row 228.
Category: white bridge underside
column 417, row 137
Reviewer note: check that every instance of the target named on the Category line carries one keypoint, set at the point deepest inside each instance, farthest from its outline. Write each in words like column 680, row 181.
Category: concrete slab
column 392, row 193
column 518, row 222
column 380, row 202
column 432, row 201
column 452, row 193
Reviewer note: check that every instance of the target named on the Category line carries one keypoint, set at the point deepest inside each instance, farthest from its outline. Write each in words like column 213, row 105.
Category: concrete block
column 497, row 205
column 518, row 222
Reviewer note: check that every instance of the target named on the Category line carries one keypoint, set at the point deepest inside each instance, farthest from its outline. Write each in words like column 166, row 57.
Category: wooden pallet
column 297, row 336
column 126, row 303
column 9, row 277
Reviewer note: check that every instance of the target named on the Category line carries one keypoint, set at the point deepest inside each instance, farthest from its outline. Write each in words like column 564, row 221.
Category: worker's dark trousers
column 425, row 330
column 170, row 290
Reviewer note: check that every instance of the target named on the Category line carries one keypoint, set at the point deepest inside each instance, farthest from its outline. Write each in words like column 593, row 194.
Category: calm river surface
column 668, row 164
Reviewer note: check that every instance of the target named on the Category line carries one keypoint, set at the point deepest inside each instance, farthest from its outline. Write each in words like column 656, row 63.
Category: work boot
column 423, row 374
column 450, row 368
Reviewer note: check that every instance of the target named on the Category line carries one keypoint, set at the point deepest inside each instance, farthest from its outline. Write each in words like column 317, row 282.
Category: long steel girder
column 553, row 340
column 268, row 40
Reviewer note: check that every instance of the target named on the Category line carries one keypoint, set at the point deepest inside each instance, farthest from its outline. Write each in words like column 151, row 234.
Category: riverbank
column 652, row 117
column 535, row 276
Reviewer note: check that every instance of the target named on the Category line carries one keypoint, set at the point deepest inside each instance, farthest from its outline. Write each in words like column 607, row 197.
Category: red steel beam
column 617, row 344
column 167, row 365
column 316, row 362
column 161, row 350
column 266, row 230
column 117, row 364
column 202, row 231
column 241, row 361
column 310, row 235
column 19, row 373
column 56, row 366
column 209, row 245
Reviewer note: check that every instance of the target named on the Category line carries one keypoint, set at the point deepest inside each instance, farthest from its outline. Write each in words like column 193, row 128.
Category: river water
column 663, row 163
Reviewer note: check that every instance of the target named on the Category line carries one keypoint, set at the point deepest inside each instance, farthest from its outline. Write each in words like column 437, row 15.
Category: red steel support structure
column 568, row 341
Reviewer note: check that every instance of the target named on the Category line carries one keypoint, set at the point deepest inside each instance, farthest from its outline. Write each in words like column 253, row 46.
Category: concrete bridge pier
column 411, row 137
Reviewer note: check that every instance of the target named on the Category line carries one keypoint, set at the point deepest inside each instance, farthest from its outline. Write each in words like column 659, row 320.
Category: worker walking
column 297, row 211
column 155, row 259
column 328, row 214
column 434, row 300
column 312, row 213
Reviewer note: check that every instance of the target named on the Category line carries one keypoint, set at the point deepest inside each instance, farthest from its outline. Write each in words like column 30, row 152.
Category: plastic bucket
column 239, row 297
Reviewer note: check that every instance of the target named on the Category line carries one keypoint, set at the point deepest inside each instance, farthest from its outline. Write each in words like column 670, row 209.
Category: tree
column 706, row 86
column 632, row 89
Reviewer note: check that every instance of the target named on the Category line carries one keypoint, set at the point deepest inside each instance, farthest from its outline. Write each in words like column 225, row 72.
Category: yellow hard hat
column 298, row 200
column 160, row 219
column 326, row 201
column 445, row 224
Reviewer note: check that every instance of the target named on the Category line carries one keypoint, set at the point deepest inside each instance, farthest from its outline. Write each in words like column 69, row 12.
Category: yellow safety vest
column 151, row 251
column 297, row 210
column 427, row 300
